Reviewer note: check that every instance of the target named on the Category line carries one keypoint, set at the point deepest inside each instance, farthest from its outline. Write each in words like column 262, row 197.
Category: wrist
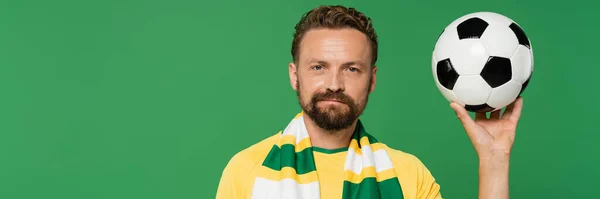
column 498, row 161
column 493, row 177
column 494, row 166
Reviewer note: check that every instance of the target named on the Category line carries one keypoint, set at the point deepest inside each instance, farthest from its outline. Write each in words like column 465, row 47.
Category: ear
column 373, row 79
column 293, row 75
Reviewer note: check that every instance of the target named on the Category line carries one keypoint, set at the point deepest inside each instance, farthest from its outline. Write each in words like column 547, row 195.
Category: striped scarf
column 289, row 171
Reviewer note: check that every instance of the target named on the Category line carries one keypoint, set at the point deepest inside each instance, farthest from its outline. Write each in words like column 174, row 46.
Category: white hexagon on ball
column 469, row 57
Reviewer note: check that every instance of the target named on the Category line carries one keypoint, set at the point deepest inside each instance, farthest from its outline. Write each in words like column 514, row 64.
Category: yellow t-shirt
column 238, row 176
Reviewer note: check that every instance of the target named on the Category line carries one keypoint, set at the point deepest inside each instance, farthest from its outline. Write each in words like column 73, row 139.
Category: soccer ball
column 482, row 61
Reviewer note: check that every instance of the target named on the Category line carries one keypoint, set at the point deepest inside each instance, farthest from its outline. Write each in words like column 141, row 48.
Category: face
column 334, row 77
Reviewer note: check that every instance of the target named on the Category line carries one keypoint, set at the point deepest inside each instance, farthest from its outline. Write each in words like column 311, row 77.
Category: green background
column 150, row 99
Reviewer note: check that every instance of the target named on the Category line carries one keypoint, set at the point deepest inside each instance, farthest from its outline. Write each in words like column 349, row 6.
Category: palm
column 494, row 134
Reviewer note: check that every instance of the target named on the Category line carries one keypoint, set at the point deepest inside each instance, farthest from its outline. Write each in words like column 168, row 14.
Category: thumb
column 462, row 115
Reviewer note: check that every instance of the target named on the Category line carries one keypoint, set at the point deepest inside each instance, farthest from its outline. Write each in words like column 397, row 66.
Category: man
column 326, row 152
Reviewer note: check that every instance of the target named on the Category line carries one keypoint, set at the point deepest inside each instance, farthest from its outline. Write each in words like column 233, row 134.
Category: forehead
column 335, row 44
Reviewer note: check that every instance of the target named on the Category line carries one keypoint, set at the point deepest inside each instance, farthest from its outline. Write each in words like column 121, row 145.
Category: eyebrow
column 360, row 63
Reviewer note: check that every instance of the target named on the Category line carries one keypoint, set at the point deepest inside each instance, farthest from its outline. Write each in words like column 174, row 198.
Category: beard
column 333, row 117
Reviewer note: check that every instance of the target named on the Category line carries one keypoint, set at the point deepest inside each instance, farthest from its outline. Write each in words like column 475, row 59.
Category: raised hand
column 493, row 136
column 493, row 139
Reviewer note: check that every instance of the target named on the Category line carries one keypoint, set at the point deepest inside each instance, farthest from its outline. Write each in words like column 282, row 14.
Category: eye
column 317, row 67
column 352, row 69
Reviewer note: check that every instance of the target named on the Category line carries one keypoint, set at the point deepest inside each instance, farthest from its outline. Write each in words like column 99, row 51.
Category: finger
column 495, row 114
column 467, row 122
column 463, row 115
column 516, row 110
column 481, row 116
column 509, row 110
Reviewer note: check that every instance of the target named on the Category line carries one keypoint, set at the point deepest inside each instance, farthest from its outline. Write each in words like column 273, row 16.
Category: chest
column 330, row 169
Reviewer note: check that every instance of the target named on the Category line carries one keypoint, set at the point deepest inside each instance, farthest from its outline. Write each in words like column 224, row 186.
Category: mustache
column 337, row 96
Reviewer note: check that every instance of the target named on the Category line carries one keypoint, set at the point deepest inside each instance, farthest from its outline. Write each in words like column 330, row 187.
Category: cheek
column 359, row 91
column 310, row 85
column 315, row 82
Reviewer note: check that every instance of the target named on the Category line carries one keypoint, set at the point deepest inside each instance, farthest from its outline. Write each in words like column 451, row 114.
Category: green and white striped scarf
column 289, row 172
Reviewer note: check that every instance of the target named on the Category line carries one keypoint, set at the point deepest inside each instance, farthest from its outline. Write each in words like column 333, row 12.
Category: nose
column 336, row 83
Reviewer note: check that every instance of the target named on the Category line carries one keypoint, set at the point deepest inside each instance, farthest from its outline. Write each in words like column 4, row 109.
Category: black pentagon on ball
column 523, row 40
column 480, row 108
column 471, row 28
column 497, row 71
column 446, row 74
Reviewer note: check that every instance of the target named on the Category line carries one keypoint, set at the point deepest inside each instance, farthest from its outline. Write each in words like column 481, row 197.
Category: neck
column 328, row 139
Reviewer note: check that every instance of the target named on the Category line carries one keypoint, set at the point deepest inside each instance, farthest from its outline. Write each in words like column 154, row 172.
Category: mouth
column 332, row 101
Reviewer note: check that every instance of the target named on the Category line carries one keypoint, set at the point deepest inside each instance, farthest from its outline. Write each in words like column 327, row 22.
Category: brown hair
column 335, row 17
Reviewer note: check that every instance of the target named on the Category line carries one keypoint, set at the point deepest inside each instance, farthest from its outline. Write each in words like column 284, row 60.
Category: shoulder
column 407, row 164
column 237, row 177
column 403, row 159
column 415, row 178
column 252, row 155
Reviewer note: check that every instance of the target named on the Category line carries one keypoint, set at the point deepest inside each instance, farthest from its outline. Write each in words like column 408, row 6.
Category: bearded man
column 325, row 150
